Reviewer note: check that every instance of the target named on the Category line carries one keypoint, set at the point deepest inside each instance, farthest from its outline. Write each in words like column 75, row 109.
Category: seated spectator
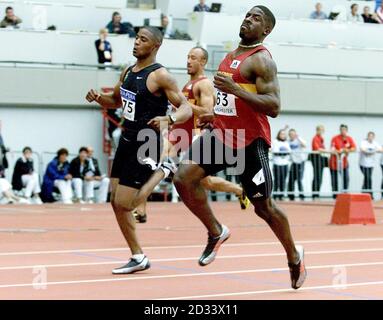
column 166, row 25
column 354, row 16
column 379, row 13
column 3, row 157
column 118, row 27
column 201, row 7
column 318, row 14
column 368, row 17
column 57, row 176
column 281, row 150
column 104, row 48
column 10, row 20
column 24, row 176
column 79, row 169
column 6, row 194
column 96, row 179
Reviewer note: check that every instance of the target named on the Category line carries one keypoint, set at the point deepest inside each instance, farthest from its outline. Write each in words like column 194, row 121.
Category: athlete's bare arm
column 165, row 82
column 110, row 101
column 205, row 97
column 262, row 68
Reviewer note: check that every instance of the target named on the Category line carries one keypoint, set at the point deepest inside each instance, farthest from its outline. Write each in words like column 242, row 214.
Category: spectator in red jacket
column 318, row 159
column 341, row 146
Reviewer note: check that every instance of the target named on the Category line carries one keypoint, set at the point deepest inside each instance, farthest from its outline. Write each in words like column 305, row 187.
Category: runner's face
column 195, row 62
column 254, row 25
column 144, row 44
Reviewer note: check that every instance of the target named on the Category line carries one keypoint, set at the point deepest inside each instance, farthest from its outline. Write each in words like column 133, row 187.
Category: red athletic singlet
column 189, row 125
column 234, row 113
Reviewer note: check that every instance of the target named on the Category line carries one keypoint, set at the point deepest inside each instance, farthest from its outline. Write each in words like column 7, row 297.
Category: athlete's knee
column 187, row 174
column 122, row 206
column 264, row 209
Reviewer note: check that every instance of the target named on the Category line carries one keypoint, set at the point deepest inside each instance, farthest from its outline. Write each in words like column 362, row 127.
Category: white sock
column 138, row 257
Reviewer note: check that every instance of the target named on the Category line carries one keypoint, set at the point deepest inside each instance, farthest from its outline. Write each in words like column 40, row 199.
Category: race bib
column 128, row 104
column 225, row 104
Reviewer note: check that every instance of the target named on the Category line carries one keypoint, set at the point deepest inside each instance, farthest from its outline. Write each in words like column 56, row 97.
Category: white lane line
column 256, row 255
column 201, row 274
column 247, row 293
column 245, row 244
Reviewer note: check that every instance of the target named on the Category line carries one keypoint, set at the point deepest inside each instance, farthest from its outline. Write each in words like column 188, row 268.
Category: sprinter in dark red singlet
column 199, row 91
column 247, row 94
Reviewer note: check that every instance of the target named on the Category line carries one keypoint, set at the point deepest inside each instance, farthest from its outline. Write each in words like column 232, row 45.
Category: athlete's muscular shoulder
column 204, row 86
column 259, row 64
column 123, row 74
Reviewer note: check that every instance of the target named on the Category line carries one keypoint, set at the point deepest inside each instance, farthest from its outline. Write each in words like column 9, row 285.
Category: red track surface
column 68, row 252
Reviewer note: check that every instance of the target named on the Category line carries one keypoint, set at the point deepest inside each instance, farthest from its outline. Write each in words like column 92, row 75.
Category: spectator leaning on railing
column 354, row 16
column 341, row 146
column 379, row 13
column 318, row 14
column 201, row 7
column 24, row 176
column 367, row 160
column 297, row 146
column 118, row 27
column 10, row 20
column 281, row 151
column 368, row 17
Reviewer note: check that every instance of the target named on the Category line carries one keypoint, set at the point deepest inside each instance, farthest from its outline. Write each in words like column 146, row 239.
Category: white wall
column 67, row 47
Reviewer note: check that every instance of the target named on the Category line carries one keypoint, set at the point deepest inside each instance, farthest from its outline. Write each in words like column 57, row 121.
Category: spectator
column 368, row 149
column 297, row 146
column 201, row 7
column 79, row 169
column 341, row 146
column 6, row 194
column 354, row 16
column 318, row 160
column 379, row 13
column 281, row 150
column 97, row 180
column 167, row 28
column 24, row 176
column 318, row 14
column 3, row 157
column 57, row 176
column 368, row 17
column 104, row 48
column 118, row 27
column 10, row 20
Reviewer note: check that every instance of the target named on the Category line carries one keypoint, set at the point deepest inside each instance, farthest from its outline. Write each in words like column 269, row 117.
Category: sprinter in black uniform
column 144, row 90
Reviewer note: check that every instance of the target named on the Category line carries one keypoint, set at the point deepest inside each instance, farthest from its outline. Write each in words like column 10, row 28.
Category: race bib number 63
column 128, row 104
column 225, row 104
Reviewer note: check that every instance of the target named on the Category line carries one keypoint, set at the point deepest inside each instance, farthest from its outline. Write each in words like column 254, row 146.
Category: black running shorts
column 251, row 163
column 131, row 168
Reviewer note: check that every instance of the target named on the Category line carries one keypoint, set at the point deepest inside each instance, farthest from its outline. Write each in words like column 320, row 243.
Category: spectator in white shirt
column 281, row 150
column 6, row 194
column 354, row 16
column 367, row 160
column 96, row 179
column 298, row 158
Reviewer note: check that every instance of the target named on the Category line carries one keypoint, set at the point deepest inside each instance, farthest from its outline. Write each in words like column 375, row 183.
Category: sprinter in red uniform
column 247, row 94
column 199, row 91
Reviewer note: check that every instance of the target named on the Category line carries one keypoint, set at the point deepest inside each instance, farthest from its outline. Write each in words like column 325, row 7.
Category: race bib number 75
column 128, row 104
column 225, row 104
